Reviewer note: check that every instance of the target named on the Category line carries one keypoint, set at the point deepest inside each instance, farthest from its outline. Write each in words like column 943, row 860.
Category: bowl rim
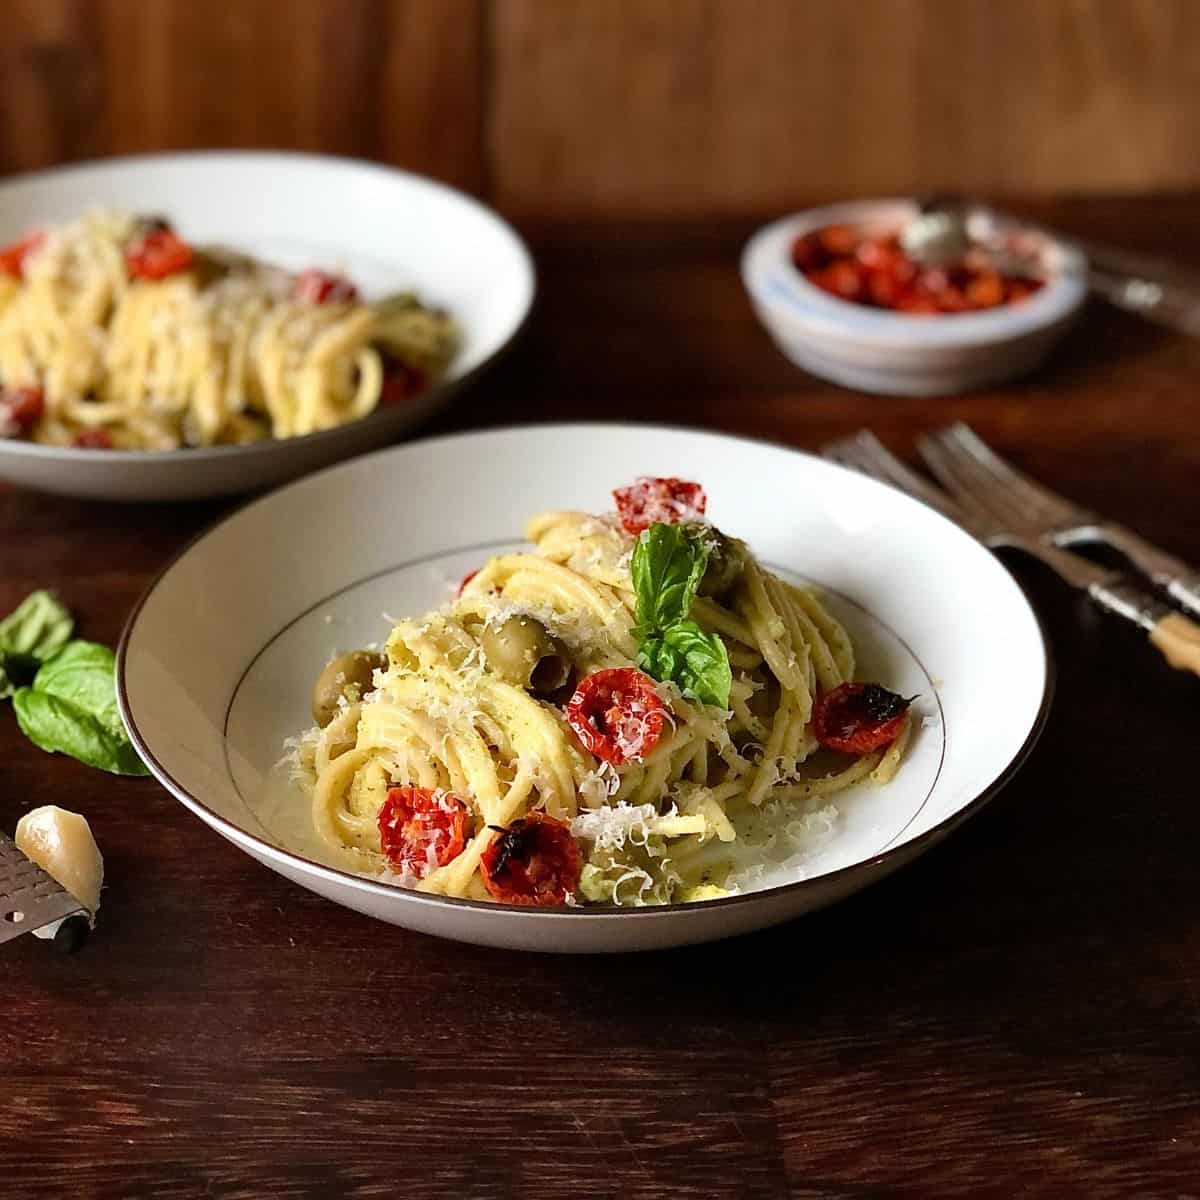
column 782, row 293
column 442, row 389
column 894, row 855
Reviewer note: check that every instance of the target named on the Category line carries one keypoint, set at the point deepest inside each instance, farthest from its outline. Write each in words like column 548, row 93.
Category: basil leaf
column 667, row 567
column 697, row 661
column 84, row 674
column 71, row 708
column 57, row 725
column 655, row 657
column 36, row 630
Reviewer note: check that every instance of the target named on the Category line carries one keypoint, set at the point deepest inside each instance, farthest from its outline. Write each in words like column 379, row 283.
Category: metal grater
column 29, row 898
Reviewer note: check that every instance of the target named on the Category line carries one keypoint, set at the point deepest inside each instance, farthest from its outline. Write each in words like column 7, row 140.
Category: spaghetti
column 114, row 332
column 596, row 720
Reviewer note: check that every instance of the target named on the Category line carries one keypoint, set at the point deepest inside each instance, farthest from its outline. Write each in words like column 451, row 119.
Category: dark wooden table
column 1018, row 1011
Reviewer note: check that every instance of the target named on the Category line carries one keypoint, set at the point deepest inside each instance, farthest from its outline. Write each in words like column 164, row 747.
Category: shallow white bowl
column 217, row 662
column 387, row 229
column 873, row 350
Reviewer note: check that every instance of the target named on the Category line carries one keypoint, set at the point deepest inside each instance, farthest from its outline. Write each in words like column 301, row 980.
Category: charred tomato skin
column 534, row 861
column 857, row 718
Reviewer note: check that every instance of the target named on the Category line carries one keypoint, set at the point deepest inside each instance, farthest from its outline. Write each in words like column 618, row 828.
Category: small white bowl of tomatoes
column 842, row 298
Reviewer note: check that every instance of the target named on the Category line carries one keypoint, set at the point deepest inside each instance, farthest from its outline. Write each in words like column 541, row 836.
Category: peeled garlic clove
column 61, row 843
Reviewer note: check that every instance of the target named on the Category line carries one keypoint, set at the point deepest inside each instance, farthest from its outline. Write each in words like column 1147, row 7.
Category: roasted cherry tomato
column 843, row 278
column 857, row 718
column 808, row 254
column 93, row 439
column 319, row 287
column 617, row 714
column 400, row 382
column 838, row 240
column 12, row 257
column 535, row 860
column 157, row 254
column 650, row 501
column 420, row 829
column 873, row 269
column 20, row 409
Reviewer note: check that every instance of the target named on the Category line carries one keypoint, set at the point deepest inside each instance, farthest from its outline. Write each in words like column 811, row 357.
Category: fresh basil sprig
column 71, row 708
column 30, row 635
column 667, row 568
column 696, row 660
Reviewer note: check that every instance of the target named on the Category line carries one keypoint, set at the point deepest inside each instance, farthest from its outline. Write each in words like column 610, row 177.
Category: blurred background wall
column 561, row 108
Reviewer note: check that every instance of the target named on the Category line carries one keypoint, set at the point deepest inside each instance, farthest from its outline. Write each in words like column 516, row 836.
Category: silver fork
column 981, row 480
column 1174, row 635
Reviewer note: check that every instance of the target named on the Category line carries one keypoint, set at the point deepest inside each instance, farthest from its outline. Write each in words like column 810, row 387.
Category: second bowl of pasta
column 186, row 325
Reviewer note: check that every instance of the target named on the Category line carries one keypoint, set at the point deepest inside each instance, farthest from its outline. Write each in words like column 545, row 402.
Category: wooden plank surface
column 629, row 107
column 397, row 80
column 1015, row 1012
column 696, row 106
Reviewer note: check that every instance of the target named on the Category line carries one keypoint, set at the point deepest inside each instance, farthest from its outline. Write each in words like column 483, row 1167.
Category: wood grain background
column 561, row 108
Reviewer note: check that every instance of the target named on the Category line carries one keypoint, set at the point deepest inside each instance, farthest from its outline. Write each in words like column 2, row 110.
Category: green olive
column 524, row 653
column 349, row 676
column 726, row 558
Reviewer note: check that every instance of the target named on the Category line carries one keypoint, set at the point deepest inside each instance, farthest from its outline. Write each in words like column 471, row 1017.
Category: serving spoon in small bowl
column 948, row 226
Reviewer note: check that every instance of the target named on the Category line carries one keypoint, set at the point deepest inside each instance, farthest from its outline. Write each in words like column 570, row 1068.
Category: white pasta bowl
column 268, row 596
column 386, row 229
column 895, row 353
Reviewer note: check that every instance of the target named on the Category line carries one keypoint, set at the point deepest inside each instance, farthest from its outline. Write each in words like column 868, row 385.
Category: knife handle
column 1176, row 637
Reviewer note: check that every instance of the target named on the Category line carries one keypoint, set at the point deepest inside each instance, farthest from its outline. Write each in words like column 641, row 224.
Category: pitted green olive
column 524, row 653
column 348, row 675
column 726, row 558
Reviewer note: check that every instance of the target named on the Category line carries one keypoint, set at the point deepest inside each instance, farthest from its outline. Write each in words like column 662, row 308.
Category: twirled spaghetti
column 114, row 332
column 514, row 745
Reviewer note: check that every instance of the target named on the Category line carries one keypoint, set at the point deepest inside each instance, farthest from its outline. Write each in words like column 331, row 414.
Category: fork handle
column 1176, row 637
column 1180, row 581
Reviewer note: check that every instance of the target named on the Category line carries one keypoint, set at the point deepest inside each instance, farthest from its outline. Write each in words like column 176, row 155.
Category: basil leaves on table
column 64, row 692
column 667, row 568
column 35, row 631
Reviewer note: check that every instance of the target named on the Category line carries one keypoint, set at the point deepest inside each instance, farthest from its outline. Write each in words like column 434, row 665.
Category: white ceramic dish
column 217, row 661
column 387, row 229
column 891, row 353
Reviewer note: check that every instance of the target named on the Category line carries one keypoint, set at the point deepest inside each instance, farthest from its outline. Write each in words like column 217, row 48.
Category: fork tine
column 864, row 452
column 962, row 479
column 1042, row 505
